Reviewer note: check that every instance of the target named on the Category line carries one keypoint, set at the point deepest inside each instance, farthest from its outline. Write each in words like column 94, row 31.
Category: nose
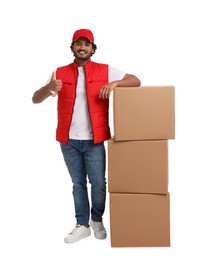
column 82, row 46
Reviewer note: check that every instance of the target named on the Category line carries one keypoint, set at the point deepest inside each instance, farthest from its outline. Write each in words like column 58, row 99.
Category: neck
column 81, row 63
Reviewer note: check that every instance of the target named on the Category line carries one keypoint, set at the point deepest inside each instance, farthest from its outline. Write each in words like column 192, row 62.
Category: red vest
column 96, row 77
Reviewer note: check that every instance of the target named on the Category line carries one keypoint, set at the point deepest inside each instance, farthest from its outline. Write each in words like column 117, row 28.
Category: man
column 83, row 89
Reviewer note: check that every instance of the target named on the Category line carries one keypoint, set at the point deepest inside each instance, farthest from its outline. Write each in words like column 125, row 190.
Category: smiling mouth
column 82, row 52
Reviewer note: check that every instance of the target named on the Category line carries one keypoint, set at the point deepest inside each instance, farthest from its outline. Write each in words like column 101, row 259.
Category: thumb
column 53, row 76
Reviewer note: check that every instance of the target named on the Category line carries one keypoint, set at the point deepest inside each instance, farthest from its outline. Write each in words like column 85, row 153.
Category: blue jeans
column 86, row 159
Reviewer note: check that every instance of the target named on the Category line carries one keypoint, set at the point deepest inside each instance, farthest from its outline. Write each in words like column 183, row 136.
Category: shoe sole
column 75, row 240
column 99, row 237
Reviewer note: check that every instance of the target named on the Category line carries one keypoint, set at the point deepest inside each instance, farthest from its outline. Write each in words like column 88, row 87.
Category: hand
column 107, row 89
column 54, row 84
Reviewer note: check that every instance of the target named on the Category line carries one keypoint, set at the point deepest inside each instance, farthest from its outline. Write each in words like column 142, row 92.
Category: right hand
column 54, row 84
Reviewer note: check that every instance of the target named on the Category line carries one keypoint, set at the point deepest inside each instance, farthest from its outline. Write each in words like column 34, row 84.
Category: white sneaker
column 79, row 232
column 99, row 230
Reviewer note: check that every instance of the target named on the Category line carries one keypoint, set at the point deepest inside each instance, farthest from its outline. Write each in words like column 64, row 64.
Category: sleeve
column 115, row 74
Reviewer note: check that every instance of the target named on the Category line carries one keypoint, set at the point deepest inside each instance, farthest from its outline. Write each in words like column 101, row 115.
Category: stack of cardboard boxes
column 144, row 120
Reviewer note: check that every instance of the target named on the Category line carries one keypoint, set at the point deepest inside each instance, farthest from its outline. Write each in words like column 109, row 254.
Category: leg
column 76, row 166
column 95, row 161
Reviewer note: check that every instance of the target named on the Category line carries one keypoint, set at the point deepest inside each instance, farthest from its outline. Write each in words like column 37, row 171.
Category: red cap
column 83, row 33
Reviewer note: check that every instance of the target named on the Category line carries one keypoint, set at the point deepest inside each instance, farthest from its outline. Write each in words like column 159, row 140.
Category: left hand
column 107, row 89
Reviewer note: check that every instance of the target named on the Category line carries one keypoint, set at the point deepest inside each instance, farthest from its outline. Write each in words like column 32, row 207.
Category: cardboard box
column 144, row 113
column 138, row 166
column 139, row 220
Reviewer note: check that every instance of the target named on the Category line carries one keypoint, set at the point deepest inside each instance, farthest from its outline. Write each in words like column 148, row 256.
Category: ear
column 71, row 46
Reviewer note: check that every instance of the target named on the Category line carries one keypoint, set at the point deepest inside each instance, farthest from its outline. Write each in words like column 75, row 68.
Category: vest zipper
column 86, row 85
column 73, row 105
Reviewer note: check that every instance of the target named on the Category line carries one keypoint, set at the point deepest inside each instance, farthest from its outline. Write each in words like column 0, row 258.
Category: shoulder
column 99, row 64
column 63, row 70
column 101, row 67
column 64, row 67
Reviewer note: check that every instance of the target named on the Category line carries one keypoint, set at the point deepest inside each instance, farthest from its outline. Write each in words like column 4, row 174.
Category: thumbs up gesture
column 54, row 84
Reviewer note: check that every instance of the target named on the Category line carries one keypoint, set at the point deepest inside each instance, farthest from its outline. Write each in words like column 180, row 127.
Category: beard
column 78, row 57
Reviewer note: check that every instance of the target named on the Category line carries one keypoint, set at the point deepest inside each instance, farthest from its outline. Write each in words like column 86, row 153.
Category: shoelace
column 77, row 226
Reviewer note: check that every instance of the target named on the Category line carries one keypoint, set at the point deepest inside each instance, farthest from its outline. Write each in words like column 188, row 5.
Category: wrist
column 47, row 88
column 115, row 84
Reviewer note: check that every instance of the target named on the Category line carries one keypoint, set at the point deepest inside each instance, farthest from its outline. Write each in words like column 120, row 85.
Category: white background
column 157, row 40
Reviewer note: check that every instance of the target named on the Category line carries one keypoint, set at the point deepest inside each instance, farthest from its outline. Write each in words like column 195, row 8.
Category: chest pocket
column 94, row 86
column 68, row 90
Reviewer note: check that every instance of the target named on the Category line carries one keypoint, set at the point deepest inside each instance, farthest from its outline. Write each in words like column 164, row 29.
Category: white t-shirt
column 80, row 128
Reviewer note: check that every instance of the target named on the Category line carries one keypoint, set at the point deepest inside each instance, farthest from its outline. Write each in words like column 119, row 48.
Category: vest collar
column 86, row 66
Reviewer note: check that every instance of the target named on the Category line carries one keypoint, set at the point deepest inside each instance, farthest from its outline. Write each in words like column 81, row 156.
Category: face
column 82, row 49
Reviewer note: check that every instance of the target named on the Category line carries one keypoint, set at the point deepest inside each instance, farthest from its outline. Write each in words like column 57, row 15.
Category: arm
column 41, row 94
column 128, row 80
